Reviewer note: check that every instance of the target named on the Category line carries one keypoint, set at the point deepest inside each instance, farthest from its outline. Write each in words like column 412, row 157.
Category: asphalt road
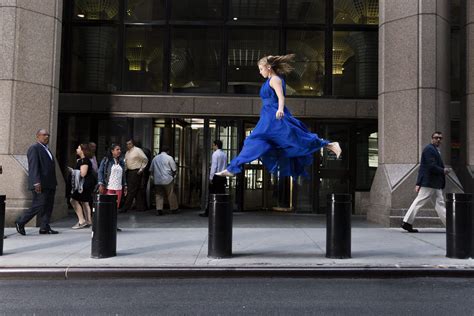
column 249, row 296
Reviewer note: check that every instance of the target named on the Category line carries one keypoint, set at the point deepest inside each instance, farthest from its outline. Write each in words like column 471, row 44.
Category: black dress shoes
column 20, row 228
column 159, row 212
column 204, row 214
column 408, row 227
column 48, row 231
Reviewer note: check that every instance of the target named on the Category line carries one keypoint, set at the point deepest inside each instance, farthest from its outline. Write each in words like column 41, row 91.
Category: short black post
column 338, row 230
column 2, row 222
column 220, row 226
column 104, row 226
column 459, row 225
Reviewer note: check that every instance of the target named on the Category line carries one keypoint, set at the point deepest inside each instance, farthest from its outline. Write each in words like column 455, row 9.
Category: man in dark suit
column 42, row 182
column 430, row 183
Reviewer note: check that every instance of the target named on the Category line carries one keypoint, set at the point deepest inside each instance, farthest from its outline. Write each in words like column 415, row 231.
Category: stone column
column 30, row 46
column 414, row 97
column 467, row 89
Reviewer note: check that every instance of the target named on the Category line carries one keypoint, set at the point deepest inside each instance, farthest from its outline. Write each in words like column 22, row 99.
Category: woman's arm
column 84, row 168
column 276, row 84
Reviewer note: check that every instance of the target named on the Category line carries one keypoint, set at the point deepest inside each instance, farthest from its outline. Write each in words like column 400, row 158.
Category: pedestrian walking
column 112, row 178
column 216, row 184
column 42, row 183
column 283, row 143
column 163, row 171
column 83, row 183
column 429, row 184
column 112, row 175
column 135, row 163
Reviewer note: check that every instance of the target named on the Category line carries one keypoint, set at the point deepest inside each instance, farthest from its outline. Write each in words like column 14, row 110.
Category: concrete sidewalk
column 274, row 242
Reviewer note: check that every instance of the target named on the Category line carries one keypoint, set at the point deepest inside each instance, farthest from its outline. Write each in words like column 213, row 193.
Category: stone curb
column 77, row 273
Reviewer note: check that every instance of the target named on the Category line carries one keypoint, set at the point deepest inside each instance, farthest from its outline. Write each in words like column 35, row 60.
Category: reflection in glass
column 96, row 9
column 366, row 155
column 195, row 60
column 335, row 133
column 356, row 12
column 306, row 11
column 201, row 9
column 144, row 59
column 355, row 58
column 94, row 62
column 330, row 186
column 308, row 76
column 254, row 10
column 245, row 49
column 145, row 10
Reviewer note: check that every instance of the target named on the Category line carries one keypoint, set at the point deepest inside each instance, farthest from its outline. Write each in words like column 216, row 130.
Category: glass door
column 332, row 175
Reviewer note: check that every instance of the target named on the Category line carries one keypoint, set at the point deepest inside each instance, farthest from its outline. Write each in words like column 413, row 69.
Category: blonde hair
column 280, row 64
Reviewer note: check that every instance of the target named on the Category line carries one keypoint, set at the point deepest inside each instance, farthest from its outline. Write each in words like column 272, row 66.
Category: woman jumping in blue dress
column 283, row 143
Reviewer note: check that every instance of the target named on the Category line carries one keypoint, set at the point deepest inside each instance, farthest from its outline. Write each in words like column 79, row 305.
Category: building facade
column 377, row 76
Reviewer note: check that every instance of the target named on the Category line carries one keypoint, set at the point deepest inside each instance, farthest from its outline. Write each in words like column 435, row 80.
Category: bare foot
column 224, row 173
column 335, row 148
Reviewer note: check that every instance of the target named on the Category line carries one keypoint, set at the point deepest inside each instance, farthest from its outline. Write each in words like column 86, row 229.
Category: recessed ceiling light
column 235, row 18
column 81, row 16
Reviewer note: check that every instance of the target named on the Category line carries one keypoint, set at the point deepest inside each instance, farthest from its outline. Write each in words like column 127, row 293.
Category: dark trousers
column 134, row 191
column 216, row 187
column 42, row 206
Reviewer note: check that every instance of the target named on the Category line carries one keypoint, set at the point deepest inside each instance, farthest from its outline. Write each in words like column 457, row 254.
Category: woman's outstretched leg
column 253, row 149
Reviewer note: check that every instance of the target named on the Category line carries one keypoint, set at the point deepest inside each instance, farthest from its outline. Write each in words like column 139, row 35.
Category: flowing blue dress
column 284, row 146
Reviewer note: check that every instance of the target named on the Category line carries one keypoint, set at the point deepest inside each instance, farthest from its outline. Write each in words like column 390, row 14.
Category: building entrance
column 190, row 141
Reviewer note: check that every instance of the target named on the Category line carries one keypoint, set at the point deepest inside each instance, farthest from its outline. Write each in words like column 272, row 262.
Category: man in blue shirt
column 219, row 162
column 430, row 183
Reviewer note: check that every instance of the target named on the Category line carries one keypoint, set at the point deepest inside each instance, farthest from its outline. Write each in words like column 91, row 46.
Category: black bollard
column 220, row 226
column 2, row 222
column 459, row 225
column 104, row 226
column 338, row 226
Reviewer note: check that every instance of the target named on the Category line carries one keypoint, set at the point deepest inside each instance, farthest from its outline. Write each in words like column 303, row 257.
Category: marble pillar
column 414, row 97
column 466, row 173
column 30, row 46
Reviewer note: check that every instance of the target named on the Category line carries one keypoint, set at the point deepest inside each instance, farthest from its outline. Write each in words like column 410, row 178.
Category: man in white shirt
column 163, row 171
column 135, row 163
column 219, row 162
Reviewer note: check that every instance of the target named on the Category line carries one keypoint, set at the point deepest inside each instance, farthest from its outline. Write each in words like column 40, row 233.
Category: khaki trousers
column 425, row 195
column 165, row 190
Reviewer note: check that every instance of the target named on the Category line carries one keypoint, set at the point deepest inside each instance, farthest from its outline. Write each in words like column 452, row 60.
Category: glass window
column 143, row 59
column 94, row 60
column 145, row 10
column 96, row 9
column 261, row 10
column 356, row 12
column 246, row 47
column 306, row 11
column 308, row 76
column 195, row 60
column 201, row 9
column 354, row 69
